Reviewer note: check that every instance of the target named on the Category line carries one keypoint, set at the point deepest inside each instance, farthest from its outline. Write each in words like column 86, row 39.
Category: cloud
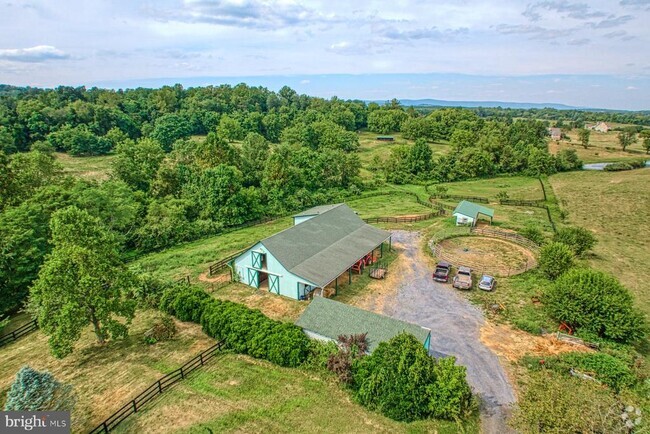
column 251, row 14
column 582, row 41
column 305, row 81
column 631, row 88
column 612, row 21
column 35, row 54
column 579, row 11
column 635, row 3
column 431, row 33
column 535, row 32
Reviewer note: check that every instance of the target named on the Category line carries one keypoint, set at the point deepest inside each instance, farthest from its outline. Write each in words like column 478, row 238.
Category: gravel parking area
column 455, row 330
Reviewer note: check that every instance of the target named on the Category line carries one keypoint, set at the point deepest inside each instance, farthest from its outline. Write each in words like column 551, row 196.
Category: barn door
column 274, row 284
column 257, row 259
column 253, row 278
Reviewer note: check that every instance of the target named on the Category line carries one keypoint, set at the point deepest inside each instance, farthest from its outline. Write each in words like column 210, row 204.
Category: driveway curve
column 455, row 330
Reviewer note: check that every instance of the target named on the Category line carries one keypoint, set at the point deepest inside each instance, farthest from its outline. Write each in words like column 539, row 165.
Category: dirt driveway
column 455, row 329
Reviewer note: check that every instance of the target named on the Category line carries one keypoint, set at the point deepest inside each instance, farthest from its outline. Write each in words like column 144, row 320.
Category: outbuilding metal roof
column 323, row 247
column 471, row 209
column 331, row 319
column 317, row 210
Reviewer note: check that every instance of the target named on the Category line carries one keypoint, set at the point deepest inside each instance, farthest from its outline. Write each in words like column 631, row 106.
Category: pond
column 601, row 166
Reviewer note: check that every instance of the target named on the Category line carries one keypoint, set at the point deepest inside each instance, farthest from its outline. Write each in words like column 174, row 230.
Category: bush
column 244, row 330
column 597, row 303
column 579, row 239
column 34, row 390
column 533, row 233
column 350, row 348
column 403, row 382
column 555, row 259
column 607, row 369
column 162, row 330
column 319, row 354
column 554, row 404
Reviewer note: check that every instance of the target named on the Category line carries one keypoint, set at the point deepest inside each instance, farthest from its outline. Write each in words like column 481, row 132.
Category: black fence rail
column 18, row 333
column 156, row 389
column 223, row 263
column 543, row 188
column 183, row 280
column 478, row 199
column 550, row 219
column 522, row 202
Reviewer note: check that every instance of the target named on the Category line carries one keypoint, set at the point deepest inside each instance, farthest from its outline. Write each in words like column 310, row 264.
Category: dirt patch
column 512, row 344
column 488, row 255
column 219, row 278
column 271, row 305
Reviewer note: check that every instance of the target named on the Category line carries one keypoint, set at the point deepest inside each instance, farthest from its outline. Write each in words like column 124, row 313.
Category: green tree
column 596, row 303
column 230, row 129
column 34, row 390
column 555, row 259
column 255, row 150
column 82, row 282
column 31, row 171
column 421, row 159
column 583, row 135
column 579, row 239
column 137, row 163
column 645, row 135
column 169, row 128
column 627, row 137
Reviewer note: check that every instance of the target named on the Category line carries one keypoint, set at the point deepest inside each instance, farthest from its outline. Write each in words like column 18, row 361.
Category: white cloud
column 38, row 53
column 305, row 81
column 631, row 88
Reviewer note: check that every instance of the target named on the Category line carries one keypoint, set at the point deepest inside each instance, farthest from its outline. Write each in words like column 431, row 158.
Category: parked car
column 487, row 283
column 463, row 278
column 443, row 270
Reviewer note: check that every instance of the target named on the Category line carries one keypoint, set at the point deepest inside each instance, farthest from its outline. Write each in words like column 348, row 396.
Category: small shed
column 555, row 133
column 467, row 213
column 385, row 138
column 327, row 319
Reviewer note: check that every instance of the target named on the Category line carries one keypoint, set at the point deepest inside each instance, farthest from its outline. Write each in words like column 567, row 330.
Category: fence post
column 201, row 358
column 135, row 409
column 105, row 427
column 182, row 374
column 159, row 386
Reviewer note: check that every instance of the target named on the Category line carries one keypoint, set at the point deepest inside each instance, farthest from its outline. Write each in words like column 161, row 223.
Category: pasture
column 614, row 206
column 603, row 147
column 88, row 168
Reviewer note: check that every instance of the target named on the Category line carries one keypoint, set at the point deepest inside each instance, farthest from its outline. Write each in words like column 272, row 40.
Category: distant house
column 555, row 133
column 467, row 213
column 601, row 127
column 326, row 319
column 385, row 138
column 325, row 242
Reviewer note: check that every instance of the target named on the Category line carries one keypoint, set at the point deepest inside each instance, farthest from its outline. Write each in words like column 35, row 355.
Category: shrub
column 34, row 390
column 533, row 233
column 579, row 239
column 184, row 302
column 403, row 382
column 555, row 259
column 149, row 290
column 162, row 330
column 350, row 347
column 597, row 303
column 607, row 369
column 319, row 354
column 554, row 404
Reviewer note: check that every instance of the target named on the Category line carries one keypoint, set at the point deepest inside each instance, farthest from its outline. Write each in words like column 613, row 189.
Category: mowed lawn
column 614, row 206
column 238, row 394
column 90, row 168
column 104, row 377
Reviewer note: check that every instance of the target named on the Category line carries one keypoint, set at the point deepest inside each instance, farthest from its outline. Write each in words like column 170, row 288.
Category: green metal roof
column 331, row 319
column 317, row 210
column 471, row 209
column 323, row 247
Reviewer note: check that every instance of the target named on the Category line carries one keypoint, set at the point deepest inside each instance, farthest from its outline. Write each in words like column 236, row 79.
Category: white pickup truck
column 463, row 278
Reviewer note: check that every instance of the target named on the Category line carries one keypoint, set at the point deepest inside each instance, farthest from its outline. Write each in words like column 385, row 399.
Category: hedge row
column 245, row 330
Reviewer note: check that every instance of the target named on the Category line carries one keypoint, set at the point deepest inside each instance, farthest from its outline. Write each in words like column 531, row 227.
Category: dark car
column 443, row 269
column 487, row 283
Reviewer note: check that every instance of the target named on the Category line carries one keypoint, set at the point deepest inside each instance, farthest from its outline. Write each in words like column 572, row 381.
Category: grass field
column 603, row 147
column 91, row 168
column 104, row 377
column 237, row 394
column 614, row 206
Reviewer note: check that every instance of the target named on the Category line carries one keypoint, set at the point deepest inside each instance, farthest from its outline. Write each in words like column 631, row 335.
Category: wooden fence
column 478, row 199
column 506, row 235
column 223, row 263
column 480, row 269
column 522, row 202
column 405, row 219
column 543, row 188
column 18, row 333
column 156, row 389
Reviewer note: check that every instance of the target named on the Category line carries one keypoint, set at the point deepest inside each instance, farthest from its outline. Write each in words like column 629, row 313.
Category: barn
column 326, row 320
column 324, row 243
column 468, row 213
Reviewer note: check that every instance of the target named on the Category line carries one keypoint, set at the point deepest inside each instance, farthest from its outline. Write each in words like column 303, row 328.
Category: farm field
column 236, row 393
column 89, row 168
column 603, row 147
column 104, row 377
column 614, row 206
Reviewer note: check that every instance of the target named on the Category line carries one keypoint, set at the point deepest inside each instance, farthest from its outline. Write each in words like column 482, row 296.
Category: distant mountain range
column 486, row 104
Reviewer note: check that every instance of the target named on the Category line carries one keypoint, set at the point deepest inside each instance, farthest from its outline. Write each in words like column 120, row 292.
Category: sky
column 590, row 54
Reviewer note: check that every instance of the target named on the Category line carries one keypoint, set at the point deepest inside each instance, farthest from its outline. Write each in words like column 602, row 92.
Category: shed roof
column 331, row 319
column 317, row 210
column 471, row 209
column 326, row 245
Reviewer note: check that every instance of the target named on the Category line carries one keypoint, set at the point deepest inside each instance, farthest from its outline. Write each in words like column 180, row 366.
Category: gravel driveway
column 455, row 325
